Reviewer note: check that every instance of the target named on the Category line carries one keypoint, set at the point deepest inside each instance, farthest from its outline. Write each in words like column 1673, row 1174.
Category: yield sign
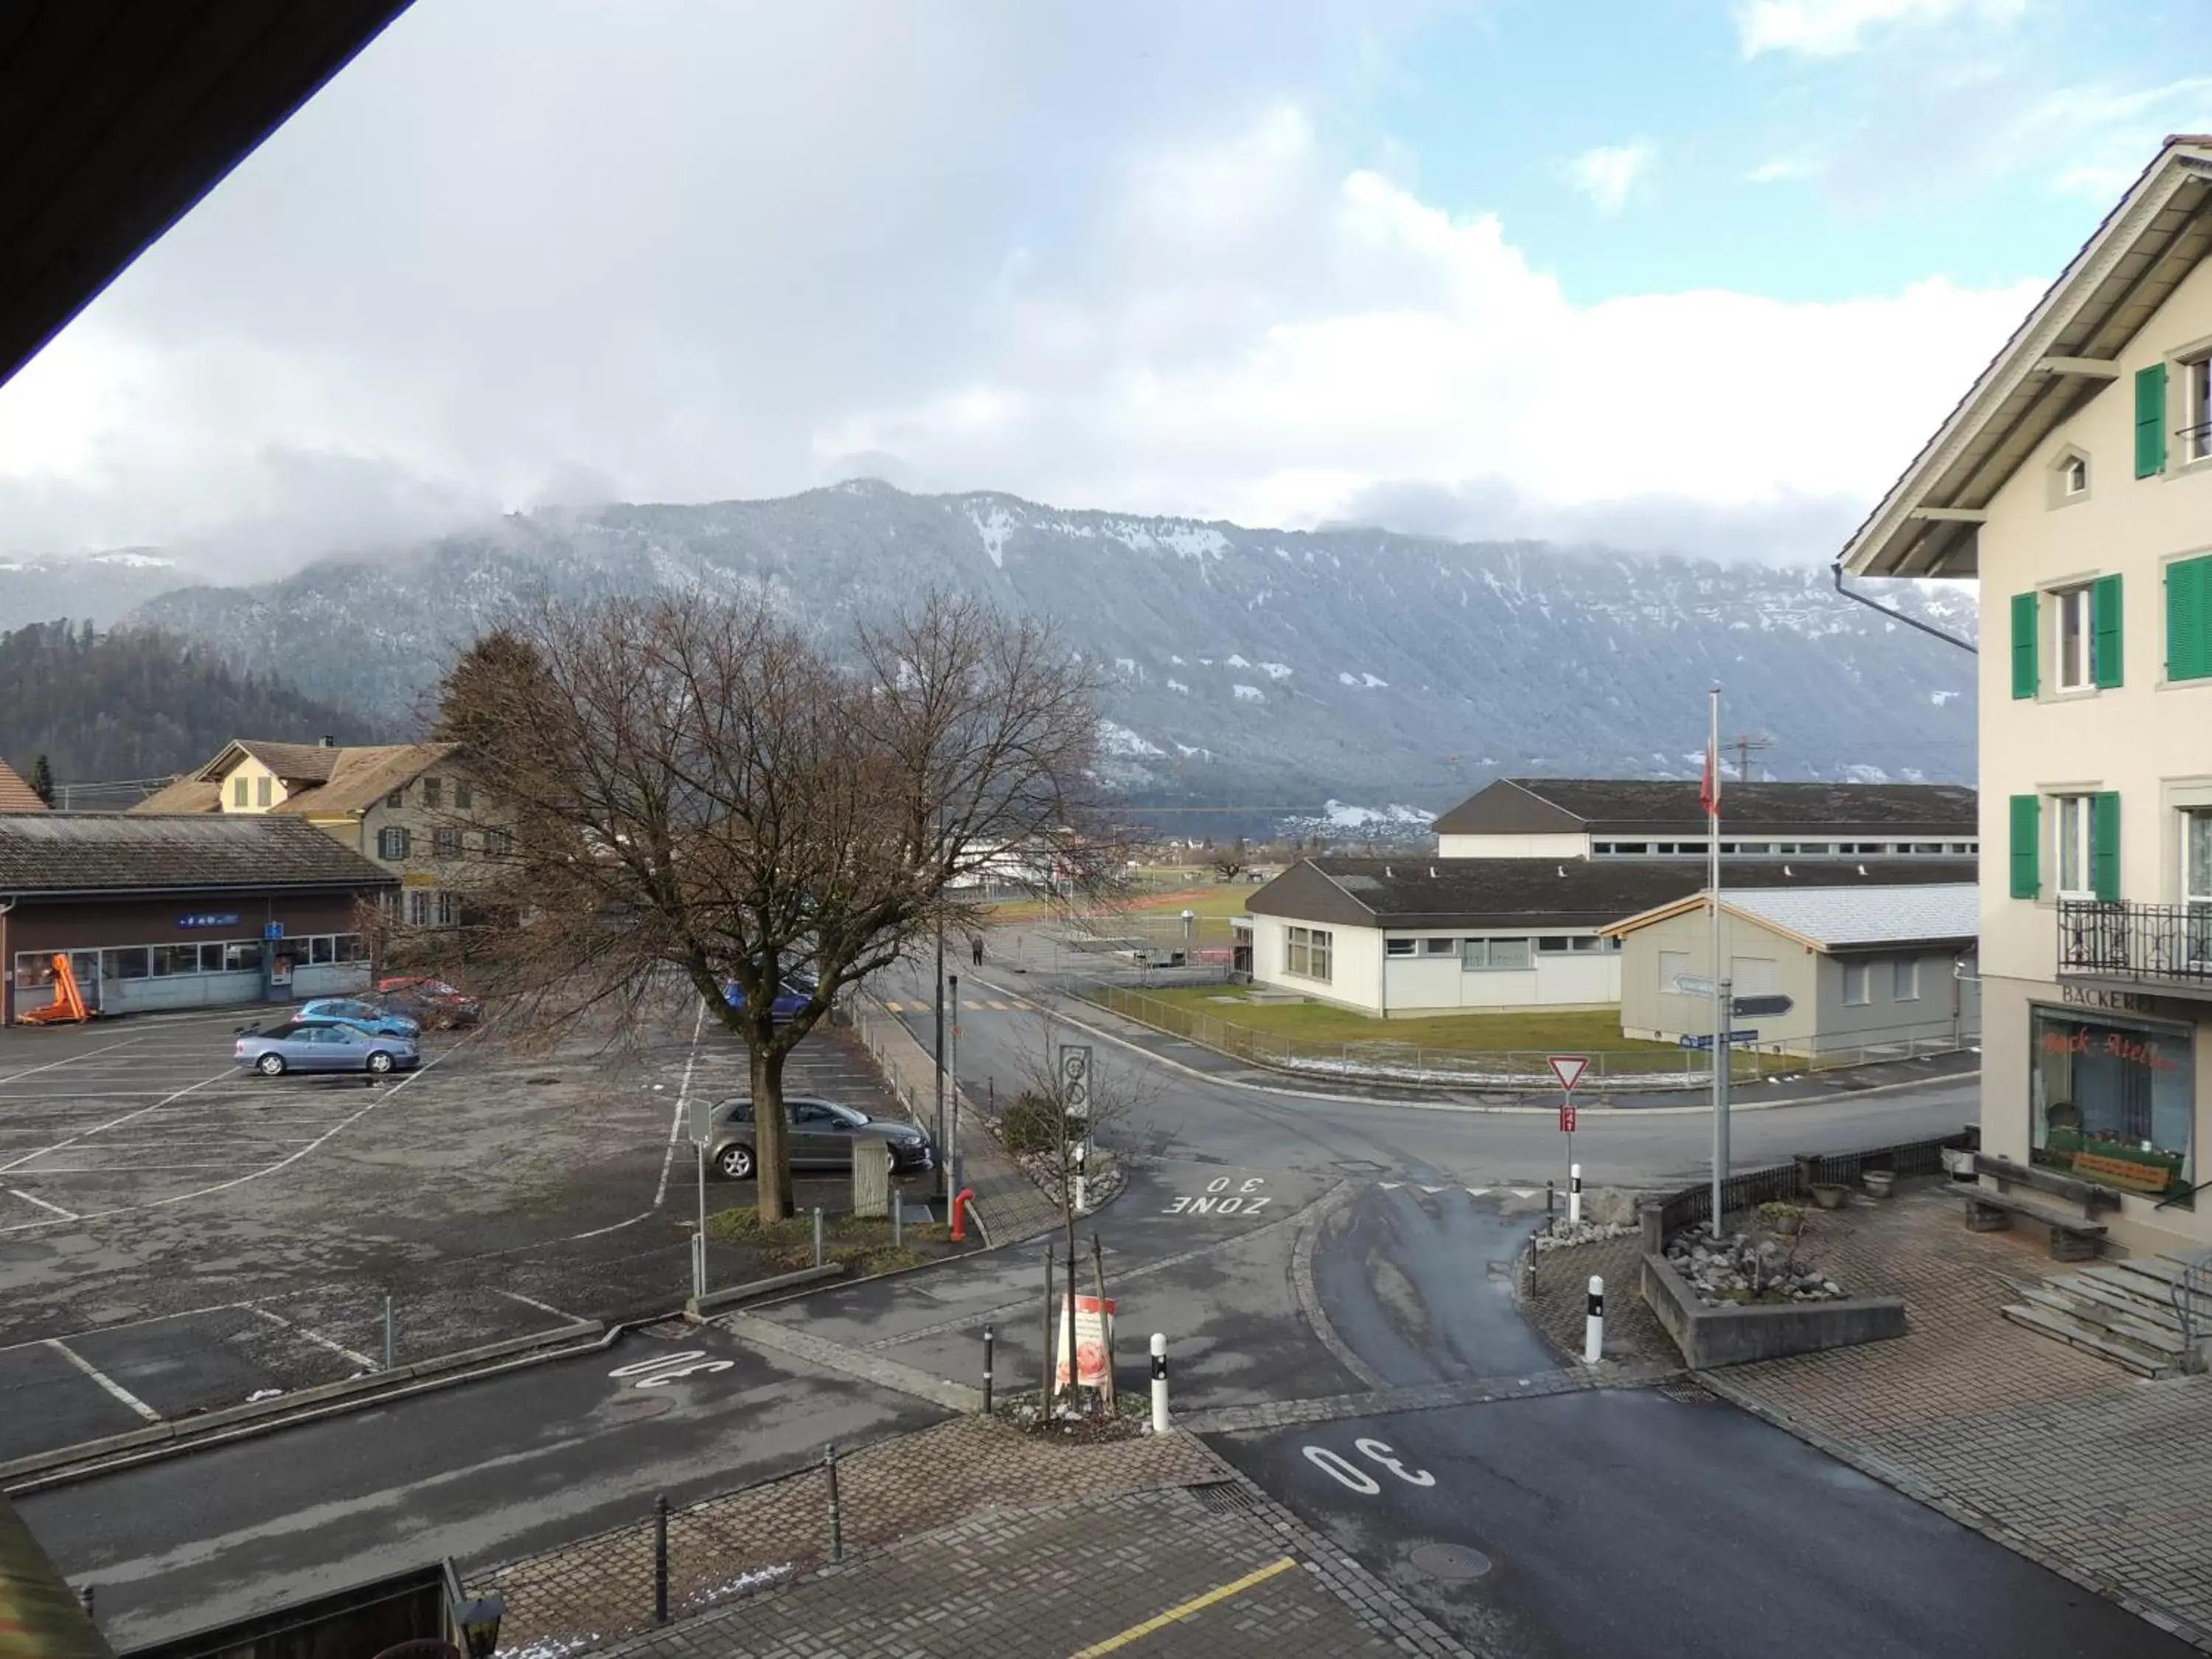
column 1569, row 1069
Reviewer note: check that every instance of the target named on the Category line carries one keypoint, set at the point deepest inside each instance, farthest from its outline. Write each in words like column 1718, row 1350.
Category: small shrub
column 1032, row 1123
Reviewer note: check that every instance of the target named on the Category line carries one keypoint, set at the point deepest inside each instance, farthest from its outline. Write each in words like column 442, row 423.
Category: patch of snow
column 1347, row 679
column 1120, row 740
column 132, row 561
column 1276, row 670
column 1865, row 774
column 1191, row 541
column 1177, row 685
column 1284, row 553
column 1126, row 666
column 1177, row 661
column 1938, row 698
column 1371, row 682
column 1234, row 661
column 993, row 531
column 1249, row 694
column 1187, row 752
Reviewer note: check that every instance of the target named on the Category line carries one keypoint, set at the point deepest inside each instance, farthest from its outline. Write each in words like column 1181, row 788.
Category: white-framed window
column 1905, row 980
column 2073, row 639
column 2196, row 409
column 2072, row 821
column 1400, row 947
column 446, row 841
column 433, row 790
column 1478, row 956
column 418, row 907
column 1308, row 952
column 1440, row 947
column 1553, row 945
column 449, row 910
column 2196, row 881
column 1859, row 984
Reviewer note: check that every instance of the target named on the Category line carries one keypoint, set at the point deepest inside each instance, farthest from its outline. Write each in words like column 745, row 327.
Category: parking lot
column 177, row 1234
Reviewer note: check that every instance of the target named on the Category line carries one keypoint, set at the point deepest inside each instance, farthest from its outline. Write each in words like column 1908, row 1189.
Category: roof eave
column 1901, row 536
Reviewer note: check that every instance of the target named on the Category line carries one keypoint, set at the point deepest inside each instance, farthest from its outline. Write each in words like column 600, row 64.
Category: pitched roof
column 185, row 794
column 294, row 763
column 1522, row 806
column 1436, row 892
column 15, row 795
column 1838, row 918
column 360, row 777
column 70, row 852
column 2061, row 356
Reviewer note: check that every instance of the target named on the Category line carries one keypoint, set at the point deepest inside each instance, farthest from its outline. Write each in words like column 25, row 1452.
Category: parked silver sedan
column 323, row 1046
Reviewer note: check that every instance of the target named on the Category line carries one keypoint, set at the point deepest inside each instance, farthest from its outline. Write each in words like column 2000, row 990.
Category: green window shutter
column 2024, row 607
column 2150, row 421
column 2026, row 847
column 2189, row 619
column 2109, row 655
column 2105, row 848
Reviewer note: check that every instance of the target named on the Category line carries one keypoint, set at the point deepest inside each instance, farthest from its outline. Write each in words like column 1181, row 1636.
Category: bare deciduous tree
column 698, row 791
column 1230, row 860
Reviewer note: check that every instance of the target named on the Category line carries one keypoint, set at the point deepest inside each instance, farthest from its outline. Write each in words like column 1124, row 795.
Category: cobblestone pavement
column 601, row 1588
column 2099, row 1476
column 1554, row 1297
column 1217, row 1571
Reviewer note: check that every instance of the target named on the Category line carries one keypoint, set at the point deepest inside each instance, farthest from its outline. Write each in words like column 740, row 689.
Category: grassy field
column 1199, row 892
column 1554, row 1030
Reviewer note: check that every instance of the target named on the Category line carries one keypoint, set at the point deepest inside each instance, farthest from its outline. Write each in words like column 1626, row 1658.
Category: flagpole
column 1721, row 1011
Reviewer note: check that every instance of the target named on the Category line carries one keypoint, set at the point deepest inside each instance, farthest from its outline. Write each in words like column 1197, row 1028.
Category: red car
column 432, row 1001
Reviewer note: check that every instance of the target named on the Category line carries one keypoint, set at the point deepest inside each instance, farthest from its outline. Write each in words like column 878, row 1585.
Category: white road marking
column 682, row 1094
column 103, row 1379
column 57, row 1065
column 116, row 1121
column 126, row 1325
column 66, row 1215
column 317, row 1338
column 532, row 1302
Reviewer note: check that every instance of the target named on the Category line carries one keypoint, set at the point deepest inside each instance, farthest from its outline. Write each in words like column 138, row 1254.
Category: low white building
column 1405, row 937
column 1814, row 971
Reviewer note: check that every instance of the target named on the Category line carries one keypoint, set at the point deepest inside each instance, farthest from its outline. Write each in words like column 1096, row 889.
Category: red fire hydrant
column 960, row 1201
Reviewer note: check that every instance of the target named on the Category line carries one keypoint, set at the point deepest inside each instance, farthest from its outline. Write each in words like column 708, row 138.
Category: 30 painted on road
column 1218, row 1200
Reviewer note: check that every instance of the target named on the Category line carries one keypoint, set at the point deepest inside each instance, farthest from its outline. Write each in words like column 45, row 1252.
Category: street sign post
column 1752, row 1007
column 700, row 1113
column 1569, row 1069
column 1692, row 985
column 1704, row 1039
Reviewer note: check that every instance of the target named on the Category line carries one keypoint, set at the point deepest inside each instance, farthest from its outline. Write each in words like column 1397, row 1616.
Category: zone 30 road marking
column 1218, row 1200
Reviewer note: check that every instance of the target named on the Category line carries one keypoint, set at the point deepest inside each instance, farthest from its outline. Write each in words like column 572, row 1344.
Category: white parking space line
column 56, row 1066
column 116, row 1122
column 683, row 1093
column 103, row 1379
column 319, row 1340
column 126, row 1325
column 66, row 1215
column 532, row 1302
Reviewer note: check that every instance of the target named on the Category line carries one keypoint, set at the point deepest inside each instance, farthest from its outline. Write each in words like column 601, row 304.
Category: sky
column 1691, row 275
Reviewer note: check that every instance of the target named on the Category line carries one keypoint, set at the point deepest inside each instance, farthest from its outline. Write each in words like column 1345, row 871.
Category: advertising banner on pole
column 1094, row 1329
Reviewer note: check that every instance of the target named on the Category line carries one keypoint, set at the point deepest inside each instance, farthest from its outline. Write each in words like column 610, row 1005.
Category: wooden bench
column 2089, row 1195
column 2070, row 1240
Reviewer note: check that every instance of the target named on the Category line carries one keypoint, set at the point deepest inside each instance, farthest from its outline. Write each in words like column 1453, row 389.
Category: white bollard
column 1159, row 1383
column 1574, row 1193
column 1594, row 1322
column 1082, row 1195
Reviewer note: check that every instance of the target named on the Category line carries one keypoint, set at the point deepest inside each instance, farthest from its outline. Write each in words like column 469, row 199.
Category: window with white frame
column 392, row 842
column 418, row 907
column 2073, row 638
column 1489, row 955
column 2196, row 883
column 1307, row 952
column 2072, row 820
column 1905, row 980
column 449, row 910
column 1400, row 947
column 1859, row 984
column 2074, row 476
column 2197, row 408
column 1552, row 945
column 1440, row 947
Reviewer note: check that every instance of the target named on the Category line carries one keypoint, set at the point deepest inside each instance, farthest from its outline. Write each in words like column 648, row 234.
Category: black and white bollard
column 1574, row 1194
column 987, row 1370
column 1159, row 1383
column 1594, row 1322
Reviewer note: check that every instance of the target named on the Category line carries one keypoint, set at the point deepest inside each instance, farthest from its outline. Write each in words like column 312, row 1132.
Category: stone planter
column 1879, row 1181
column 1960, row 1161
column 1783, row 1223
column 1828, row 1196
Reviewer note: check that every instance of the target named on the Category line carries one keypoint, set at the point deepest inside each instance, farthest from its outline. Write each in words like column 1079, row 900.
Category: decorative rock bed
column 1746, row 1268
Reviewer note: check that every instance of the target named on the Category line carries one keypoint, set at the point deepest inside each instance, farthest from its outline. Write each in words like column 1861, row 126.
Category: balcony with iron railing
column 2166, row 948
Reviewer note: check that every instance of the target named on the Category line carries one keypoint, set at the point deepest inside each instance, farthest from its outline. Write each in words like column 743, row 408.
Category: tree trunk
column 772, row 1178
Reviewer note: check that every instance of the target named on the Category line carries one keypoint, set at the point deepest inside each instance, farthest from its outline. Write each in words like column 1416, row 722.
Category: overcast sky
column 1677, row 274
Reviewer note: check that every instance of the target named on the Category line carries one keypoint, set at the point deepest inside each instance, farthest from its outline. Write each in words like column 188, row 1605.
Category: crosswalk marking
column 1472, row 1192
column 970, row 1008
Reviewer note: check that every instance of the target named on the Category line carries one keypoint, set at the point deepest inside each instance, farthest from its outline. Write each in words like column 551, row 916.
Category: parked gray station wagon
column 820, row 1133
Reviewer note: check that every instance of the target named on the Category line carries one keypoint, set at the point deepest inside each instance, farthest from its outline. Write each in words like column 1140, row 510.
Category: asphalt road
column 484, row 1473
column 1621, row 1522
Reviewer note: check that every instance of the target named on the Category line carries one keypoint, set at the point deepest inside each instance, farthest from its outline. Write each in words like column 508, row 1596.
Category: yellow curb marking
column 1195, row 1604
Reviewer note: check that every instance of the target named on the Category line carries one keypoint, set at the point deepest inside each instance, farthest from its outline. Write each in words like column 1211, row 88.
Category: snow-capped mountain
column 1255, row 666
column 97, row 588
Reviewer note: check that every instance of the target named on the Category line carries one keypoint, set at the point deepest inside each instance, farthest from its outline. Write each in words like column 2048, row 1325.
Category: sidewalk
column 2049, row 1451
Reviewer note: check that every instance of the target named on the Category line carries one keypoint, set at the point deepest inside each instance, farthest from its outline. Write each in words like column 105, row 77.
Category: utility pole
column 1744, row 744
column 943, row 1191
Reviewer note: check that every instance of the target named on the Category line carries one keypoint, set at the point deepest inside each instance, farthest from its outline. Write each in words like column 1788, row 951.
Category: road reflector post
column 987, row 1370
column 1594, row 1322
column 1574, row 1194
column 837, row 1510
column 817, row 1234
column 1159, row 1383
column 660, row 1560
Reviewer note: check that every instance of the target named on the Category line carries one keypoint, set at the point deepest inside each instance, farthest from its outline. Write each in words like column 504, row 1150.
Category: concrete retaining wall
column 1729, row 1336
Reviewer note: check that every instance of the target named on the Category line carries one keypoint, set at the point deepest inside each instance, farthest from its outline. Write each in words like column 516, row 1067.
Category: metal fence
column 1389, row 1060
column 1797, row 1178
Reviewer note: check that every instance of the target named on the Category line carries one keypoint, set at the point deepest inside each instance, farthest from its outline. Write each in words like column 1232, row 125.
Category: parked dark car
column 790, row 997
column 431, row 1003
column 820, row 1133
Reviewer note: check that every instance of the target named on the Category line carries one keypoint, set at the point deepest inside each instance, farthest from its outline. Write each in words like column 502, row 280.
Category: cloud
column 2104, row 135
column 1607, row 174
column 1781, row 170
column 1834, row 29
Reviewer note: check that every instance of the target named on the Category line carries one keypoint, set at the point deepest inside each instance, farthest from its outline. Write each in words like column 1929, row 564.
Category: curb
column 93, row 1458
column 697, row 1308
column 1831, row 1097
column 1920, row 1491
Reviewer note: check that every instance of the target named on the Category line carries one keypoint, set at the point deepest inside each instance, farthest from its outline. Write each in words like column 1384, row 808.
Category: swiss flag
column 1709, row 794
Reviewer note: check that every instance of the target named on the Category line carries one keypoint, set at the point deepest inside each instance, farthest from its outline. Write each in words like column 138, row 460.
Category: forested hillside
column 140, row 702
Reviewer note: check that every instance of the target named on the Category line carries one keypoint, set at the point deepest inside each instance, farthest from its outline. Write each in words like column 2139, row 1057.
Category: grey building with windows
column 1864, row 968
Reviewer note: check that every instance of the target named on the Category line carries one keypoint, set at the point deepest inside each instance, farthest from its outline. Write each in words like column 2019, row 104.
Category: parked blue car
column 362, row 1016
column 327, row 1046
column 791, row 996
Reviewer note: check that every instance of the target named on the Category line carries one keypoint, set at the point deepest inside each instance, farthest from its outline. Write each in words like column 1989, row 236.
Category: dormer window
column 2074, row 476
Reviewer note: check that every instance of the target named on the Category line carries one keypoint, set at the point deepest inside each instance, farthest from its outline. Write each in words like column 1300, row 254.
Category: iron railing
column 1749, row 1187
column 2157, row 944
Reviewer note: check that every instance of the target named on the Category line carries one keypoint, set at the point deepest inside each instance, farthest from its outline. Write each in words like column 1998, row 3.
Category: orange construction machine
column 68, row 1006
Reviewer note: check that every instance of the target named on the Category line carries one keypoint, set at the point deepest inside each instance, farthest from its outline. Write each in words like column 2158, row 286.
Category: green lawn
column 1564, row 1031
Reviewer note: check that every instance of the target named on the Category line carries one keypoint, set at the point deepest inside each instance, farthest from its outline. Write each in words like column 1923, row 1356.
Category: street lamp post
column 937, row 1054
column 952, row 1159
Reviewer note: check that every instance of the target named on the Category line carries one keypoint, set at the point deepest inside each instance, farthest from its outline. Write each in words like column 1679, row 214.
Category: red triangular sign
column 1569, row 1069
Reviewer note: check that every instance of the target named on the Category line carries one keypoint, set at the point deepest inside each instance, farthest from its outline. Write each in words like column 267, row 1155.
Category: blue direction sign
column 1706, row 1041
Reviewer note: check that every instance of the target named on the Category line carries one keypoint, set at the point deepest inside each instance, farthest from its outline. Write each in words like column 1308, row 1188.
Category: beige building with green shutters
column 2074, row 479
